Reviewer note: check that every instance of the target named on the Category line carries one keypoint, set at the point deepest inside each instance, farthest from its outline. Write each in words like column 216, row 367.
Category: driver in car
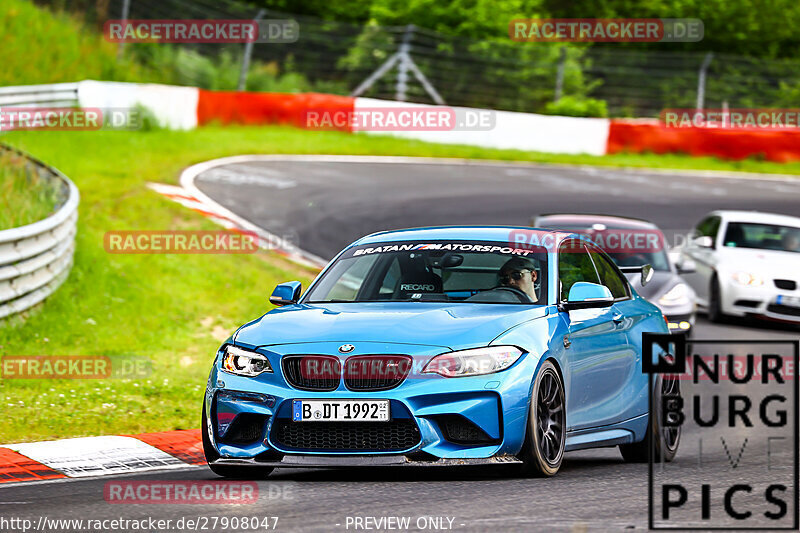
column 519, row 273
column 791, row 241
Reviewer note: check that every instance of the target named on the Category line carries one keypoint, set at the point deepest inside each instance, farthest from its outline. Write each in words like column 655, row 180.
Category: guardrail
column 53, row 95
column 35, row 259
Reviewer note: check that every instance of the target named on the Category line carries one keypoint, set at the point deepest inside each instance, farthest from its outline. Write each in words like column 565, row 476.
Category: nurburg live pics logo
column 736, row 466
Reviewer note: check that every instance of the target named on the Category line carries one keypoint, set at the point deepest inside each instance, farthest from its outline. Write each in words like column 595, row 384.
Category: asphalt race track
column 323, row 206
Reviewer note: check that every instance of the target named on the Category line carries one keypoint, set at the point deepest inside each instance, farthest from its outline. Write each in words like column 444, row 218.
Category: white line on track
column 187, row 182
column 480, row 162
column 185, row 468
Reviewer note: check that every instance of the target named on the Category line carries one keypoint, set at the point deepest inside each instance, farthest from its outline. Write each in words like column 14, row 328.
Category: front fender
column 542, row 339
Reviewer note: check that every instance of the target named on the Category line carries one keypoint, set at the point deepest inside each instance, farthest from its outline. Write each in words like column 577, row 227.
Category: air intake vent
column 783, row 310
column 312, row 372
column 246, row 428
column 396, row 435
column 376, row 372
column 459, row 430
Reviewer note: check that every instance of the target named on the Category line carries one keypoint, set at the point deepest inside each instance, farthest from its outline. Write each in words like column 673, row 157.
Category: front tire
column 715, row 313
column 546, row 433
column 665, row 440
column 228, row 471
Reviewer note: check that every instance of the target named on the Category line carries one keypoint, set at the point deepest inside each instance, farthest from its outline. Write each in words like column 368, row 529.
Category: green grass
column 40, row 46
column 25, row 197
column 44, row 45
column 175, row 309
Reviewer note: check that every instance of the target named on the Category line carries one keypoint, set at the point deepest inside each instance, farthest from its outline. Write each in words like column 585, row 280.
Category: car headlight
column 244, row 362
column 677, row 295
column 748, row 278
column 474, row 362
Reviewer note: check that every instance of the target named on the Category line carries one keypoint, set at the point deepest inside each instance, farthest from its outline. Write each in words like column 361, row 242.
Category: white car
column 746, row 264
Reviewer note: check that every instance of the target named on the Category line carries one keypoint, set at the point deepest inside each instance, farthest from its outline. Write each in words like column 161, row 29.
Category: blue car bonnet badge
column 346, row 348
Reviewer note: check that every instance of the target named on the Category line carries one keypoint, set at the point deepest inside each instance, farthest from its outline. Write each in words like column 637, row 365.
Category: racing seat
column 416, row 278
column 420, row 282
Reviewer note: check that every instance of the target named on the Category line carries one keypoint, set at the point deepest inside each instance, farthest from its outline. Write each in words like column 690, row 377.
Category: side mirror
column 645, row 271
column 647, row 274
column 286, row 293
column 703, row 241
column 585, row 295
column 686, row 266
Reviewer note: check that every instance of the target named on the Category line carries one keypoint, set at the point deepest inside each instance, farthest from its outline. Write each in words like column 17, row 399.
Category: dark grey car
column 634, row 242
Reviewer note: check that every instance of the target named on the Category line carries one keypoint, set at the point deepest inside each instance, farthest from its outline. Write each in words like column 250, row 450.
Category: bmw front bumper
column 762, row 301
column 434, row 420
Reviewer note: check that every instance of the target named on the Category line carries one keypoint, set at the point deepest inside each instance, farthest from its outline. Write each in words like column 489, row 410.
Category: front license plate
column 791, row 301
column 340, row 410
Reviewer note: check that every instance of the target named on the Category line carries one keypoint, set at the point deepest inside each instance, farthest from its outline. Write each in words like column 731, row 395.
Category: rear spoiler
column 645, row 270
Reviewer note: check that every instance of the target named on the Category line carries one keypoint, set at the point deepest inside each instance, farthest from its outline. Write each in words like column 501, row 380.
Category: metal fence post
column 403, row 67
column 701, row 81
column 126, row 9
column 248, row 51
column 562, row 59
column 405, row 64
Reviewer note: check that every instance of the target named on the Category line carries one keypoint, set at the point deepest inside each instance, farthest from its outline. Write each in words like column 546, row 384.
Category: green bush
column 572, row 106
column 184, row 66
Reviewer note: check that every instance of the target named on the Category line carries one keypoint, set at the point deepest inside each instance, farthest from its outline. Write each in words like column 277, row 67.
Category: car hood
column 446, row 325
column 661, row 282
column 772, row 262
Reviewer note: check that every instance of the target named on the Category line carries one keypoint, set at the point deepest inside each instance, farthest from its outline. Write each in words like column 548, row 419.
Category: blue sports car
column 440, row 346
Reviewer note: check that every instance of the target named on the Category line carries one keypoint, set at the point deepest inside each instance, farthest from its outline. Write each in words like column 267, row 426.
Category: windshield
column 762, row 236
column 616, row 243
column 451, row 271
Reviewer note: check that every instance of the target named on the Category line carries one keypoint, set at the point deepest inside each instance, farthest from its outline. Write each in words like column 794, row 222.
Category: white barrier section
column 36, row 258
column 520, row 131
column 174, row 107
column 93, row 456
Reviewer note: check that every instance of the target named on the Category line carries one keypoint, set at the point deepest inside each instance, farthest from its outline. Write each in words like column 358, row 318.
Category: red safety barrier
column 729, row 143
column 228, row 107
